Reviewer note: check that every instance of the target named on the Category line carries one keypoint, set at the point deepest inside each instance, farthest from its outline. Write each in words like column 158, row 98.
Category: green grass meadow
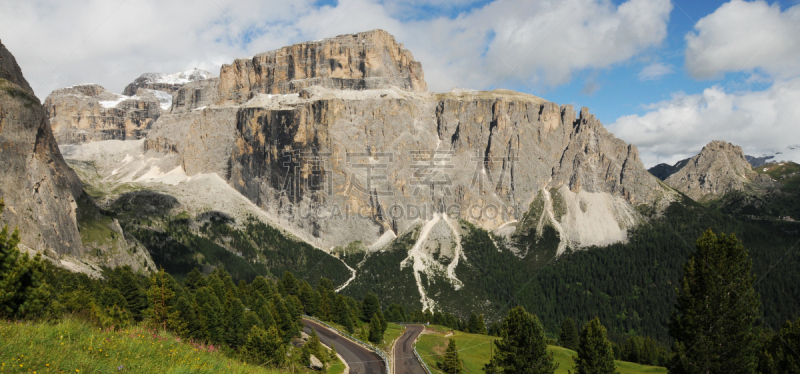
column 72, row 346
column 475, row 351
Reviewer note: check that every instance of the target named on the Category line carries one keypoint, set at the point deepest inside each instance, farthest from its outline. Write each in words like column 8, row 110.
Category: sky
column 668, row 76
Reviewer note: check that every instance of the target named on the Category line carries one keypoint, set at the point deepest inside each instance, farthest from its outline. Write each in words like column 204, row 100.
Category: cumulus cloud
column 503, row 43
column 655, row 71
column 762, row 122
column 744, row 36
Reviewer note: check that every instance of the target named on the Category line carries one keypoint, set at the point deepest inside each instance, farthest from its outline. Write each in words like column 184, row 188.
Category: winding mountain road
column 404, row 360
column 360, row 360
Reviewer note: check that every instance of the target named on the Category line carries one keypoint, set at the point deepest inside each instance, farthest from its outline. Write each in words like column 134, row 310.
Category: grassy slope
column 71, row 346
column 474, row 351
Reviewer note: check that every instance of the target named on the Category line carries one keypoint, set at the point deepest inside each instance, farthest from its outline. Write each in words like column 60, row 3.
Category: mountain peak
column 719, row 168
column 366, row 60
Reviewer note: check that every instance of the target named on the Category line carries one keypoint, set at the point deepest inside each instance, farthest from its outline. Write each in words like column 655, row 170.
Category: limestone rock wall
column 85, row 113
column 366, row 60
column 195, row 95
column 36, row 185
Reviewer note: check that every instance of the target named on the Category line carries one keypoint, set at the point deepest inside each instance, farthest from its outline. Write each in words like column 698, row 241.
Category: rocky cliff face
column 168, row 83
column 37, row 186
column 43, row 196
column 366, row 60
column 719, row 168
column 86, row 113
column 197, row 94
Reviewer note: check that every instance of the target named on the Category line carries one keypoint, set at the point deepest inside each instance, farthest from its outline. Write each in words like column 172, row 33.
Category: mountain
column 89, row 112
column 759, row 161
column 718, row 169
column 168, row 83
column 663, row 171
column 353, row 156
column 44, row 197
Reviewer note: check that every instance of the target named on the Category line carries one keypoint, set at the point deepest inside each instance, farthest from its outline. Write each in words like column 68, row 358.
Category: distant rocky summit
column 89, row 112
column 719, row 168
column 363, row 61
column 166, row 82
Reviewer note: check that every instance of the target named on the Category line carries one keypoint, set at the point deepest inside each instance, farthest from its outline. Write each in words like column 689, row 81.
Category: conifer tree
column 23, row 290
column 264, row 347
column 523, row 347
column 476, row 325
column 451, row 364
column 370, row 306
column 375, row 329
column 595, row 355
column 160, row 295
column 128, row 283
column 716, row 309
column 289, row 284
column 568, row 338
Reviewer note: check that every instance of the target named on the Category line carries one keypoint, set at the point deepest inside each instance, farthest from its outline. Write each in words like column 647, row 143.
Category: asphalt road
column 360, row 360
column 404, row 360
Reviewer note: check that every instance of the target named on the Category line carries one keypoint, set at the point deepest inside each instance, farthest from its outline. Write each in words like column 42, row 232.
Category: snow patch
column 164, row 98
column 113, row 103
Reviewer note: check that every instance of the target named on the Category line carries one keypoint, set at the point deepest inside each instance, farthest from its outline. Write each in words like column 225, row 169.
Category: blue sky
column 666, row 75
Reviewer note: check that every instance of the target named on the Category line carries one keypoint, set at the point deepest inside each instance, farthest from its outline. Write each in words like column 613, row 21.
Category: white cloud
column 655, row 71
column 762, row 122
column 539, row 43
column 743, row 36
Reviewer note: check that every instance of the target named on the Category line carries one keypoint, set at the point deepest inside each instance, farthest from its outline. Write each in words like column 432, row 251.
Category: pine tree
column 451, row 364
column 595, row 355
column 23, row 290
column 569, row 335
column 476, row 325
column 375, row 329
column 523, row 347
column 160, row 295
column 370, row 306
column 194, row 280
column 264, row 347
column 289, row 284
column 128, row 283
column 713, row 323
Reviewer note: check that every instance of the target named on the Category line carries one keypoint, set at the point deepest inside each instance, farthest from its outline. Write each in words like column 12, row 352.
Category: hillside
column 71, row 346
column 475, row 351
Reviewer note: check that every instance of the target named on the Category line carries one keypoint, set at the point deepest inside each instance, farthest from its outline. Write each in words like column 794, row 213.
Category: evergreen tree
column 716, row 309
column 568, row 338
column 494, row 330
column 23, row 290
column 307, row 297
column 384, row 322
column 595, row 354
column 375, row 329
column 129, row 285
column 523, row 347
column 194, row 280
column 476, row 325
column 264, row 347
column 451, row 364
column 370, row 306
column 289, row 284
column 324, row 308
column 160, row 295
